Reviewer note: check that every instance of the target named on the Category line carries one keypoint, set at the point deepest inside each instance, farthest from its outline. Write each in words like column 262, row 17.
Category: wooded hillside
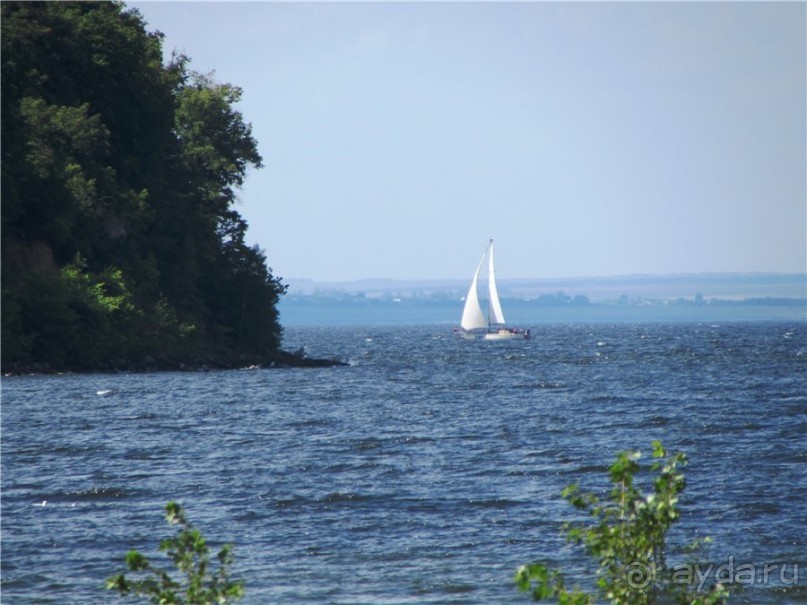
column 120, row 243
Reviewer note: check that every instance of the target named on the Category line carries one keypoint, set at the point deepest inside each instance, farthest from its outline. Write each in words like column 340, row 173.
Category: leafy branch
column 627, row 537
column 190, row 553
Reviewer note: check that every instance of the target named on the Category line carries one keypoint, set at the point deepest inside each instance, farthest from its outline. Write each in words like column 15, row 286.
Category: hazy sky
column 587, row 139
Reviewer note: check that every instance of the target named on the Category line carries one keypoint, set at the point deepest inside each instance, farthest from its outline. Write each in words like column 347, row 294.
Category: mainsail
column 472, row 316
column 496, row 314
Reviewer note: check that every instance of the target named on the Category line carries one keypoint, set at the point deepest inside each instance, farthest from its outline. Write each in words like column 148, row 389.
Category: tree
column 627, row 538
column 132, row 166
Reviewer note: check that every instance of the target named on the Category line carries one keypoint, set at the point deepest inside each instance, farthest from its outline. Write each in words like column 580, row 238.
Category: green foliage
column 198, row 584
column 72, row 317
column 133, row 166
column 627, row 537
column 103, row 295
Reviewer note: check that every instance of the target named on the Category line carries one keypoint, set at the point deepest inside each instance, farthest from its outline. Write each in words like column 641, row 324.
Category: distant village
column 698, row 289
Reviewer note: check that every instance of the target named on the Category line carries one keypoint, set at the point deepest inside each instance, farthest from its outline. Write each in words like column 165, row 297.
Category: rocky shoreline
column 282, row 359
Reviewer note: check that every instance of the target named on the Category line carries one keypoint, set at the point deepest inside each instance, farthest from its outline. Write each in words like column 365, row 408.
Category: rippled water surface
column 425, row 472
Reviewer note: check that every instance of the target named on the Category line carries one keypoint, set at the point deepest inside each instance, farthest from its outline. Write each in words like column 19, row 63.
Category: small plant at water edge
column 190, row 553
column 627, row 538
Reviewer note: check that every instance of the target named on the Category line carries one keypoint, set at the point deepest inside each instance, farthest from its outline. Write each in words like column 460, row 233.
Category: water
column 425, row 472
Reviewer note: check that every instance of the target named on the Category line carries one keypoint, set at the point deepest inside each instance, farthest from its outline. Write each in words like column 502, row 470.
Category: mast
column 491, row 282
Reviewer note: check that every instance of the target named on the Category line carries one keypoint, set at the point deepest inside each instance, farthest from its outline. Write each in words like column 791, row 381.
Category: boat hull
column 506, row 335
column 502, row 334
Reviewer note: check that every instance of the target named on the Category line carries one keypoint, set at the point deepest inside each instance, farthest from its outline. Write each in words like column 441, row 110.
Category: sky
column 586, row 139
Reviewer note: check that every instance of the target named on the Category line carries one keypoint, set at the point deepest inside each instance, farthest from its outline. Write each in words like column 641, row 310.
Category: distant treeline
column 120, row 244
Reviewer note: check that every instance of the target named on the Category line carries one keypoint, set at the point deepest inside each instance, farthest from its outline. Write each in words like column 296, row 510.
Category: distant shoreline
column 712, row 297
column 728, row 286
column 357, row 311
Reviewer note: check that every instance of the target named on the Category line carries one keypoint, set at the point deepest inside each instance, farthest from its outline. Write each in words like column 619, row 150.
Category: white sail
column 472, row 316
column 496, row 314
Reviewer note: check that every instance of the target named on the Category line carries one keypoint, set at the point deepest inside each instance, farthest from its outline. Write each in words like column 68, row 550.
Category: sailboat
column 474, row 325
